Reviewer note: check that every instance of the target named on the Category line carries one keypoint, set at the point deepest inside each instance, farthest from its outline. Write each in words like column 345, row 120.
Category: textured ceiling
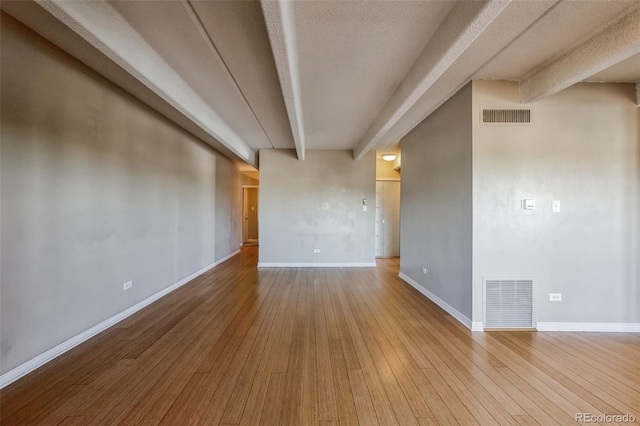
column 565, row 25
column 355, row 75
column 351, row 57
column 247, row 54
column 175, row 34
column 627, row 71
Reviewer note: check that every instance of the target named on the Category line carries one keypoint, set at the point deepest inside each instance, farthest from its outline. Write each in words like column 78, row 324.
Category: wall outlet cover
column 555, row 297
column 316, row 251
column 127, row 285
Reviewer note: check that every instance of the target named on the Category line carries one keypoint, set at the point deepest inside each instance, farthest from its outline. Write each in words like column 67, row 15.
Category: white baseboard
column 477, row 326
column 34, row 363
column 444, row 305
column 609, row 327
column 316, row 265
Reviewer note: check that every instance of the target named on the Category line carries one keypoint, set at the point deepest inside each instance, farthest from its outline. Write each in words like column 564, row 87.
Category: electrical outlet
column 127, row 285
column 555, row 297
column 424, row 270
column 316, row 251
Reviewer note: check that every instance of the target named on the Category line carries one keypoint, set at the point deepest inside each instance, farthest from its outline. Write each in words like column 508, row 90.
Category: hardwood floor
column 326, row 346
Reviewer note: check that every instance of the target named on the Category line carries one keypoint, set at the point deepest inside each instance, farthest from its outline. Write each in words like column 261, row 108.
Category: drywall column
column 316, row 204
column 436, row 208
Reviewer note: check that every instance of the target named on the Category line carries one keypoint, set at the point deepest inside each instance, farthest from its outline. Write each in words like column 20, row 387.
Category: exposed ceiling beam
column 491, row 43
column 616, row 43
column 278, row 15
column 197, row 22
column 104, row 29
column 464, row 23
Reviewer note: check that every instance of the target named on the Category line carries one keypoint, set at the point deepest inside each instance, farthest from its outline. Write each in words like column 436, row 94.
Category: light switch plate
column 364, row 208
column 555, row 206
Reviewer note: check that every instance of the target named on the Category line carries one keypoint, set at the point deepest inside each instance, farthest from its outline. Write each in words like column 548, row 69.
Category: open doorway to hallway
column 388, row 205
column 250, row 236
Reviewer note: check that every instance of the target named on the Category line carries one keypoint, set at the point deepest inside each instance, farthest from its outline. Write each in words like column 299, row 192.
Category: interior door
column 391, row 219
column 245, row 216
column 387, row 218
column 250, row 216
column 379, row 219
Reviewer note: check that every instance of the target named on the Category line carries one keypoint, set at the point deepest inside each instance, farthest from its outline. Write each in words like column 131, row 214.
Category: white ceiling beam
column 278, row 15
column 103, row 28
column 616, row 43
column 464, row 23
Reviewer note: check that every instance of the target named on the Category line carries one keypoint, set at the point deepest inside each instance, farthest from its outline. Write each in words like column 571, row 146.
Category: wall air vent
column 505, row 116
column 508, row 304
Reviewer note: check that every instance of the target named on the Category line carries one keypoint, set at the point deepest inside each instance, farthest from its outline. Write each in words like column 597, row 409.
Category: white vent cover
column 506, row 116
column 508, row 304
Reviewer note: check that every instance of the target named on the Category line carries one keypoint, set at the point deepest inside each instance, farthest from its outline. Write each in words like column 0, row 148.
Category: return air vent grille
column 508, row 304
column 506, row 116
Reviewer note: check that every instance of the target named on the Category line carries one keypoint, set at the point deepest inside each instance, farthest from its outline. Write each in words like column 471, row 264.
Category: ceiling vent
column 508, row 304
column 505, row 116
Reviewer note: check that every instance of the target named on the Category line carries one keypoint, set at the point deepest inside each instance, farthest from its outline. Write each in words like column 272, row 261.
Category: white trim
column 281, row 28
column 477, row 326
column 34, row 363
column 316, row 265
column 610, row 327
column 435, row 299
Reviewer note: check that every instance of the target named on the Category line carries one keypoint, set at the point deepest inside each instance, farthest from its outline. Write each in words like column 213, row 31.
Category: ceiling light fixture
column 389, row 157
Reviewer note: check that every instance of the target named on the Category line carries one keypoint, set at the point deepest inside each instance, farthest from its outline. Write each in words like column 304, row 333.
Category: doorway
column 387, row 218
column 250, row 235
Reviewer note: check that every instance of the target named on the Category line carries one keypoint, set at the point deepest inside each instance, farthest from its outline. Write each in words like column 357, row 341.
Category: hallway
column 293, row 346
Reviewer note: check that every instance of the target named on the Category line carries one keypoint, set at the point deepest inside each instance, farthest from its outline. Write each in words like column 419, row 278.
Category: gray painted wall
column 316, row 203
column 436, row 199
column 582, row 148
column 97, row 190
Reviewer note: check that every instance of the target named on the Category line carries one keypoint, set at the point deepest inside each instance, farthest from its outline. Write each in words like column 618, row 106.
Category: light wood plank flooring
column 322, row 346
